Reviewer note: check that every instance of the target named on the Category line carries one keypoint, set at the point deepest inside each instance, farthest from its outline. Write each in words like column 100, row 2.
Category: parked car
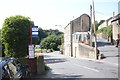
column 12, row 69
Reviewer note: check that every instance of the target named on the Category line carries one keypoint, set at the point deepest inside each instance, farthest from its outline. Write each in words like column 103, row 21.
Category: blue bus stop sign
column 34, row 31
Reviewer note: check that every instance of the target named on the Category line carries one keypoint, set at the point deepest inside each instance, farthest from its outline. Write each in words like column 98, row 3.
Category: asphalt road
column 67, row 67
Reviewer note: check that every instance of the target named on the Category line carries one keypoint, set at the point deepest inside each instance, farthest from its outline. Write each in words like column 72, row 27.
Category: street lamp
column 61, row 37
column 59, row 26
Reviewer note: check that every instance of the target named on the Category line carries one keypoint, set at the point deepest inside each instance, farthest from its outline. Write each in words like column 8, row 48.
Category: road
column 62, row 66
column 67, row 67
column 109, row 51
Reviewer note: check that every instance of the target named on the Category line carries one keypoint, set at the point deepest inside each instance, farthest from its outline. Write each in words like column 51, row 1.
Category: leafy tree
column 16, row 35
column 97, row 24
column 51, row 42
column 106, row 30
column 35, row 40
column 0, row 31
column 109, row 30
column 41, row 34
column 44, row 44
column 53, row 32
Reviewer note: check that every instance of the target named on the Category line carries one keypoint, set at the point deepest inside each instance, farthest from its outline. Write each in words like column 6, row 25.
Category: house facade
column 68, row 39
column 116, row 25
column 106, row 23
column 76, row 43
column 80, row 24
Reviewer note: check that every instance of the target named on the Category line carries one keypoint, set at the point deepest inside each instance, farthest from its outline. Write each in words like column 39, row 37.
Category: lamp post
column 59, row 26
column 61, row 37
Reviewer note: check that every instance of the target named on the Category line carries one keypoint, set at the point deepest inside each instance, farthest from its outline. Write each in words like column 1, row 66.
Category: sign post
column 33, row 33
column 31, row 51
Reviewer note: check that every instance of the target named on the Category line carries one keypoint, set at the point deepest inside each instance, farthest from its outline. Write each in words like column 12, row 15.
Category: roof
column 109, row 19
column 117, row 17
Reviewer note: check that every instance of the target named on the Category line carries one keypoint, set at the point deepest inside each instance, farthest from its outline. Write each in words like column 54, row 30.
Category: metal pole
column 31, row 63
column 95, row 38
column 30, row 34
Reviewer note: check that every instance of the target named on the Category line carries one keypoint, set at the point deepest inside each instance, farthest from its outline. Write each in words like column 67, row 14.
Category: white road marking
column 87, row 68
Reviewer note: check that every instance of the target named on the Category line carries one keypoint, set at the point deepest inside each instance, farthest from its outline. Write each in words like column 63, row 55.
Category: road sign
column 34, row 31
column 34, row 28
column 31, row 51
column 34, row 34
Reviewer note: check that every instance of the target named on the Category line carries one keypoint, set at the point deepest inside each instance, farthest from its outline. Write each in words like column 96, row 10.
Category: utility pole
column 95, row 37
column 91, row 25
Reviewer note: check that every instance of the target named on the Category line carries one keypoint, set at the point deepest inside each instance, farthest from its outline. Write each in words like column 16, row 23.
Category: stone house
column 75, row 38
column 116, row 27
column 106, row 23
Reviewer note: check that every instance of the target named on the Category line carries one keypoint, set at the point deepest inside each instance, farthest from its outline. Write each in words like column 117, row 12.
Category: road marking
column 115, row 64
column 88, row 68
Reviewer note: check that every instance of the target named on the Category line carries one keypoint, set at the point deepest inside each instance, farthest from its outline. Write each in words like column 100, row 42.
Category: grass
column 37, row 49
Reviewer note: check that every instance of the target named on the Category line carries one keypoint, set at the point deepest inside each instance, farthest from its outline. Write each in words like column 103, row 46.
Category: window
column 17, row 64
column 119, row 21
column 12, row 68
column 80, row 37
column 76, row 37
column 5, row 74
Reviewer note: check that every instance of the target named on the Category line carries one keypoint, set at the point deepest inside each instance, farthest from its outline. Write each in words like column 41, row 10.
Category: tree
column 41, row 34
column 97, row 24
column 35, row 40
column 53, row 32
column 107, row 32
column 16, row 35
column 50, row 42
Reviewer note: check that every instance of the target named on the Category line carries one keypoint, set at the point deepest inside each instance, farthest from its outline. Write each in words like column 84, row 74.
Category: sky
column 48, row 13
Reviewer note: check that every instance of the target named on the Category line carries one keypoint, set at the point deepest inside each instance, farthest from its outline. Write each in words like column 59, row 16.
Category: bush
column 16, row 35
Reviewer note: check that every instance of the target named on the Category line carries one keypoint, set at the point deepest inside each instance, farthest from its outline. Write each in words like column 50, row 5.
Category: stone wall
column 116, row 30
column 81, row 24
column 38, row 66
column 81, row 50
column 67, row 40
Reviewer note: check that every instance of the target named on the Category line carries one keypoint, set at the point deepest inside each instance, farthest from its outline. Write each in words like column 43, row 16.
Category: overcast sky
column 48, row 13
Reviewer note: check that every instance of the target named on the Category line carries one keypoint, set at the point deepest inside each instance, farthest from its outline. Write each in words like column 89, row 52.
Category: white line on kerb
column 88, row 68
